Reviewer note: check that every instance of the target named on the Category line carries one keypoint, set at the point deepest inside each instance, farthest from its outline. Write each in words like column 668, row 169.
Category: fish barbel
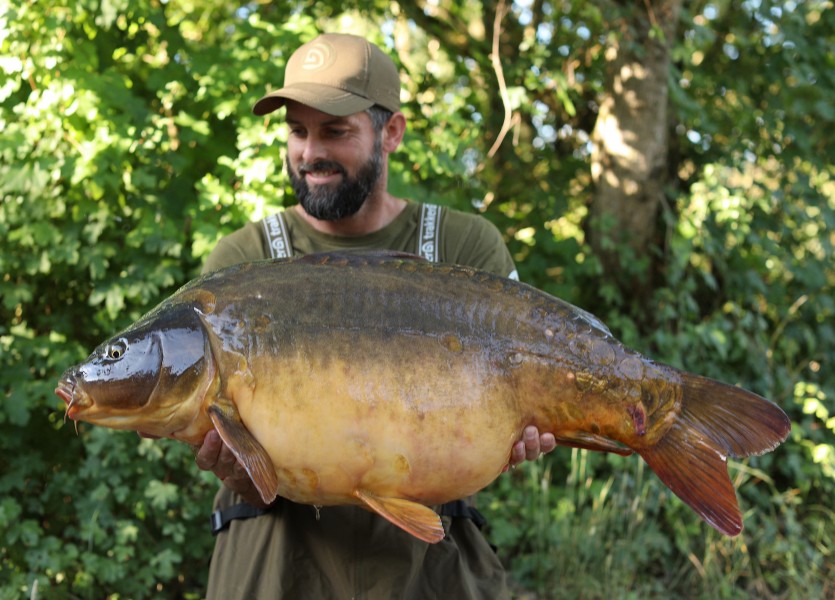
column 349, row 379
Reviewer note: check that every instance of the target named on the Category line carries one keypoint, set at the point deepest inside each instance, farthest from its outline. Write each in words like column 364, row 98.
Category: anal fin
column 417, row 519
column 249, row 452
column 590, row 441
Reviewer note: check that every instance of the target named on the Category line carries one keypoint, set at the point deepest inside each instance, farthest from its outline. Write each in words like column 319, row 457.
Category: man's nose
column 313, row 150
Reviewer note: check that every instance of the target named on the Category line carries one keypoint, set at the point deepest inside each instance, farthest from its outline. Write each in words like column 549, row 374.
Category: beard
column 332, row 203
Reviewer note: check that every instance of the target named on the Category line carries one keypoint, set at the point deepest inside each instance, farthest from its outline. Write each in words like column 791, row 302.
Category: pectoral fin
column 590, row 441
column 245, row 447
column 417, row 519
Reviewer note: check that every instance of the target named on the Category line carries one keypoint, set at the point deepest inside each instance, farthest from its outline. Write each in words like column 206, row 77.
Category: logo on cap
column 319, row 56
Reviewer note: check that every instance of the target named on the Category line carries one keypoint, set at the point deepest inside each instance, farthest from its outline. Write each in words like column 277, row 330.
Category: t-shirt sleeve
column 244, row 245
column 474, row 241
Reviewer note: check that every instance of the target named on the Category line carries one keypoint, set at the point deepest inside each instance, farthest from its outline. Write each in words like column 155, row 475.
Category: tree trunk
column 631, row 142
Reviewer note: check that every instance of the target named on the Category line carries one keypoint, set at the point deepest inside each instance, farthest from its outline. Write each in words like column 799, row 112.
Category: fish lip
column 67, row 391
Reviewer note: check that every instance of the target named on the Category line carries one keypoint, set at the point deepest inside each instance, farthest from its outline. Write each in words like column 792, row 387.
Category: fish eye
column 116, row 350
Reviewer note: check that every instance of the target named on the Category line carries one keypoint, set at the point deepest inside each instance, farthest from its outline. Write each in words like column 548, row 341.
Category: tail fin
column 716, row 421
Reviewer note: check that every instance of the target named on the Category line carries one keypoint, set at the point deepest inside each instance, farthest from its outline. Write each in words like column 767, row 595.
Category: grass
column 589, row 526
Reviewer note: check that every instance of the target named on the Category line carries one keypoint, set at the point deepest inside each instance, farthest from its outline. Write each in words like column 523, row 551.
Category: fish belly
column 408, row 416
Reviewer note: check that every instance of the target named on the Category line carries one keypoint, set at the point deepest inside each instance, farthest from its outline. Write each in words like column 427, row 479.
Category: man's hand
column 214, row 456
column 531, row 446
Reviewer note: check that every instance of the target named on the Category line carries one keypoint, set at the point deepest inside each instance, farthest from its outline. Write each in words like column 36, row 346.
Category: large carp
column 392, row 383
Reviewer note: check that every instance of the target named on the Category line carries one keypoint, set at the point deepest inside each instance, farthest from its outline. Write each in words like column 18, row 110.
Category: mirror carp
column 388, row 382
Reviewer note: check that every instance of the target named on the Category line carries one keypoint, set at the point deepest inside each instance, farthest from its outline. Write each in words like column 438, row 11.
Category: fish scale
column 391, row 383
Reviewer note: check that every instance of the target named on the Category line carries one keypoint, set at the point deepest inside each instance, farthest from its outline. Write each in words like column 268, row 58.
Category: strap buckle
column 217, row 522
column 220, row 519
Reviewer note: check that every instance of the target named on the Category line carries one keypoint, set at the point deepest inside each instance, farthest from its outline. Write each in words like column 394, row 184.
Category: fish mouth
column 66, row 391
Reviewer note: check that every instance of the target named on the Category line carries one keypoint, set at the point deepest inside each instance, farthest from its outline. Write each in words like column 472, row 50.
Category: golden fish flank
column 384, row 363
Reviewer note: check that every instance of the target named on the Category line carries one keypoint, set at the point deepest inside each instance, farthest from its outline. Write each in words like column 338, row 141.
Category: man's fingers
column 547, row 442
column 207, row 454
column 239, row 471
column 530, row 437
column 517, row 454
column 214, row 456
column 531, row 446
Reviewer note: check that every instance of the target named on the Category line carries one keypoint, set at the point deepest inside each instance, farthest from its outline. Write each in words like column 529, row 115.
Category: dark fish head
column 151, row 378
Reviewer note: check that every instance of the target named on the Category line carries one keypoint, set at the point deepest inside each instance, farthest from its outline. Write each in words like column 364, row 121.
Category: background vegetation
column 128, row 148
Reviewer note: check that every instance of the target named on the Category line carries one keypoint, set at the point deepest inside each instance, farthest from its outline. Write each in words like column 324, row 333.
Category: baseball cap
column 339, row 74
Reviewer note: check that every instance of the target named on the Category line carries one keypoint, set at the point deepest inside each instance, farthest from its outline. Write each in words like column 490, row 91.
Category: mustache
column 321, row 165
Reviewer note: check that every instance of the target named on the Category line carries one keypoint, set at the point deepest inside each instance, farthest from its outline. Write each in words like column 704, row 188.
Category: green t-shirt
column 463, row 239
column 293, row 551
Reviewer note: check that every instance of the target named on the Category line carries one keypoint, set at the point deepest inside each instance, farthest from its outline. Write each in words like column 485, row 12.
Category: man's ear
column 393, row 132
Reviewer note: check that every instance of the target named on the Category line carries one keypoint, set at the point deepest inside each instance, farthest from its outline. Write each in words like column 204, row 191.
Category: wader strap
column 429, row 232
column 278, row 238
column 458, row 509
column 222, row 518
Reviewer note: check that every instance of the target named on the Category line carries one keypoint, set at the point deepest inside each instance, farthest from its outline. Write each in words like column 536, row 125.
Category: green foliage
column 117, row 131
column 129, row 148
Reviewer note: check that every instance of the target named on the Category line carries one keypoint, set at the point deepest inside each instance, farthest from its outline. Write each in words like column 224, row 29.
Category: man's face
column 334, row 163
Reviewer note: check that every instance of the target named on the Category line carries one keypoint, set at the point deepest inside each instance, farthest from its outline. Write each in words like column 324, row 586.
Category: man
column 341, row 96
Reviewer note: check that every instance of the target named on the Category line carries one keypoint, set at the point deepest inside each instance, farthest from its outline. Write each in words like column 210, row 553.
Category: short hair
column 379, row 117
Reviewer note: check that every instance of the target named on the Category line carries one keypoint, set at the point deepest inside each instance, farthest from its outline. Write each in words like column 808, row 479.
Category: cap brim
column 329, row 100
